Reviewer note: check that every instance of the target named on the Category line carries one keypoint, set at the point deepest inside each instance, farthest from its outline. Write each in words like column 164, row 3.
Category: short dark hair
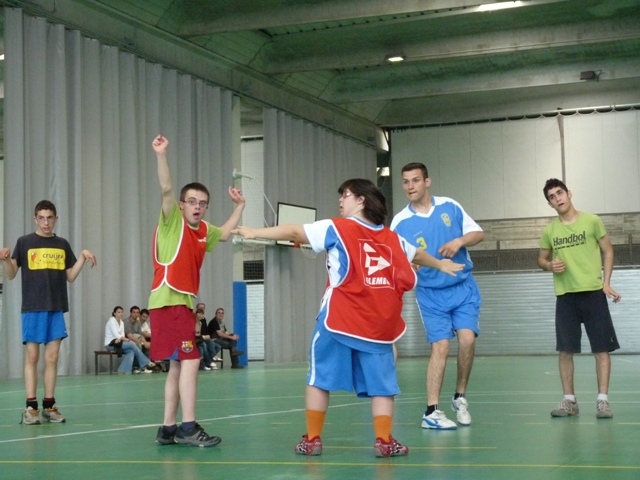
column 553, row 183
column 143, row 311
column 375, row 203
column 200, row 311
column 194, row 186
column 135, row 307
column 416, row 166
column 116, row 308
column 45, row 205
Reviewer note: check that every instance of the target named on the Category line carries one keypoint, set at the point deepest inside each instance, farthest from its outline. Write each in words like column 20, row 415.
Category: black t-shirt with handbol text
column 44, row 262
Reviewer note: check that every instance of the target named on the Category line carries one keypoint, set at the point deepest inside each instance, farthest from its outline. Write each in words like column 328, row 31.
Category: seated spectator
column 208, row 349
column 133, row 330
column 218, row 331
column 145, row 327
column 114, row 338
column 204, row 327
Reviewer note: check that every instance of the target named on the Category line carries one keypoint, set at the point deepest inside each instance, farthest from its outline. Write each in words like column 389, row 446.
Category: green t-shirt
column 577, row 246
column 169, row 232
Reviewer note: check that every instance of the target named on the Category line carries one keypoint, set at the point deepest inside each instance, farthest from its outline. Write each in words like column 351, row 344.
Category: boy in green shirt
column 570, row 248
column 181, row 241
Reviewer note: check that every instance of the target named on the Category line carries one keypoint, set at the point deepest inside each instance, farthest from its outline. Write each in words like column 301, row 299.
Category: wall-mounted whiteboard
column 289, row 214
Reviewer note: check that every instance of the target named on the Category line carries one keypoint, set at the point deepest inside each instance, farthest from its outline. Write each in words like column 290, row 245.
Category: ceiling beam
column 321, row 50
column 234, row 16
column 347, row 90
column 477, row 106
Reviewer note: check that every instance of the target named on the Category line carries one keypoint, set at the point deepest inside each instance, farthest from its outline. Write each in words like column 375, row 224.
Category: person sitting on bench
column 226, row 340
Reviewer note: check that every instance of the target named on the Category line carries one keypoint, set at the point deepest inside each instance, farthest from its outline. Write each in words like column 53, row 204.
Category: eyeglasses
column 193, row 202
column 346, row 194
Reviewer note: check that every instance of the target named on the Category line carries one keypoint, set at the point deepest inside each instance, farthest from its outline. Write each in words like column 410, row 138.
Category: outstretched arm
column 445, row 265
column 85, row 256
column 10, row 265
column 293, row 233
column 160, row 145
column 234, row 218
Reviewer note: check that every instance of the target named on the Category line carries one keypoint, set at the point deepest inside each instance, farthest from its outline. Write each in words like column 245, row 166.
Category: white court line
column 155, row 425
column 621, row 359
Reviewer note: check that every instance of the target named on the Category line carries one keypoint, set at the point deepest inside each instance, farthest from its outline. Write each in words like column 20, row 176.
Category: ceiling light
column 490, row 7
column 395, row 58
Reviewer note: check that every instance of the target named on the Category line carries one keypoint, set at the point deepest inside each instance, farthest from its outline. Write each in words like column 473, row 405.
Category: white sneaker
column 461, row 407
column 207, row 369
column 438, row 421
column 213, row 366
column 146, row 370
column 603, row 410
column 216, row 359
column 151, row 364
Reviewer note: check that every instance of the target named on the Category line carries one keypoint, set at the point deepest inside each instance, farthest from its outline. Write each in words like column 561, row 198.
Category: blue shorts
column 335, row 366
column 444, row 311
column 43, row 327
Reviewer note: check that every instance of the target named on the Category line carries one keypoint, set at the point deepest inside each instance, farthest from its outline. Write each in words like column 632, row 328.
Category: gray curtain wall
column 80, row 118
column 304, row 165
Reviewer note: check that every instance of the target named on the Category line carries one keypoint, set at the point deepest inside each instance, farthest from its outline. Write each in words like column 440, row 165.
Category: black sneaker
column 237, row 353
column 196, row 437
column 164, row 437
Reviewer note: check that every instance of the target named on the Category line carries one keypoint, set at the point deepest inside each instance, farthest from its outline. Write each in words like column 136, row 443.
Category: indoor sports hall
column 285, row 101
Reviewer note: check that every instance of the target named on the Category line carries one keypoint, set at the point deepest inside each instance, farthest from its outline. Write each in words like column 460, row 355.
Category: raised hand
column 88, row 257
column 236, row 196
column 160, row 145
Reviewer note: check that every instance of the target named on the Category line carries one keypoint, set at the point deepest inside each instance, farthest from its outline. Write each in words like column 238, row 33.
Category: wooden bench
column 98, row 354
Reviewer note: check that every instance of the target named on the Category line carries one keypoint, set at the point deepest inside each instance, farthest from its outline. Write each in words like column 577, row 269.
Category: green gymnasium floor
column 259, row 413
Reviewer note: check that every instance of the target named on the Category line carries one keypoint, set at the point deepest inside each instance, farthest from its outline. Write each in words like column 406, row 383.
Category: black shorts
column 590, row 308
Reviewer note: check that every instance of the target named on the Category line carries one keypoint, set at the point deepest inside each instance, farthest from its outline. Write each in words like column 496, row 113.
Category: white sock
column 603, row 396
column 571, row 398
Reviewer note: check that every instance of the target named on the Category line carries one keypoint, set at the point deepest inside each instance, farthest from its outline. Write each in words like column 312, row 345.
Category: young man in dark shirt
column 47, row 263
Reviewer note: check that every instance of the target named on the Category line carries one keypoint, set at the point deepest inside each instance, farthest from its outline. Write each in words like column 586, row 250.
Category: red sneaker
column 309, row 447
column 389, row 449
